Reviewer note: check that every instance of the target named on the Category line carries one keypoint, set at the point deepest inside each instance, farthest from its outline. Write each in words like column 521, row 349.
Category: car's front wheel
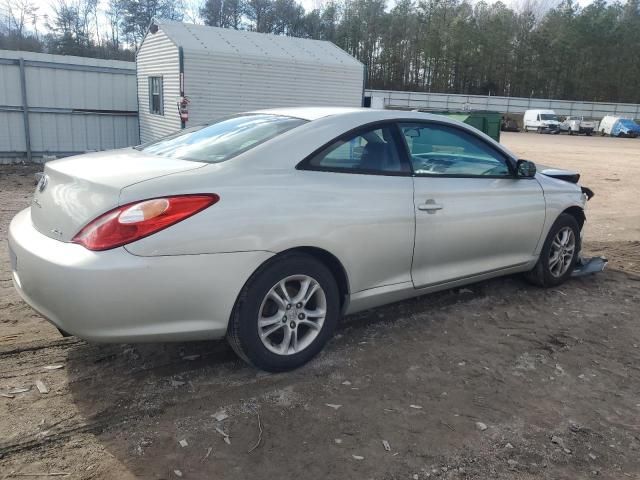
column 285, row 314
column 559, row 253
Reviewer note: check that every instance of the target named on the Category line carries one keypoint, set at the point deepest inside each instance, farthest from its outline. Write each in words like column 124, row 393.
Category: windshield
column 223, row 139
column 548, row 116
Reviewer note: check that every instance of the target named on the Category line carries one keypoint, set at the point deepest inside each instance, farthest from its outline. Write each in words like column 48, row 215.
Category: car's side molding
column 378, row 296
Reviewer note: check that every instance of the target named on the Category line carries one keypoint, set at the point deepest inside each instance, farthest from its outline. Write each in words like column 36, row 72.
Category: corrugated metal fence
column 56, row 105
column 515, row 105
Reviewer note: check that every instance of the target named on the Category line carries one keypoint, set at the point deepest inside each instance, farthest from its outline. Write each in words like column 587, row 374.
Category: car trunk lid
column 75, row 190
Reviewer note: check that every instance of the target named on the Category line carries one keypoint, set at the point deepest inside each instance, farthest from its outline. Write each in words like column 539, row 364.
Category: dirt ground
column 554, row 375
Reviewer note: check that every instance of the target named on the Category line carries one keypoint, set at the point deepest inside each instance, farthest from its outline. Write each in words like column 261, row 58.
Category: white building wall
column 219, row 85
column 158, row 56
column 75, row 104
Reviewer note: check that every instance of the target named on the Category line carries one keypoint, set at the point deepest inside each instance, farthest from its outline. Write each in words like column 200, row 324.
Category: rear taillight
column 134, row 221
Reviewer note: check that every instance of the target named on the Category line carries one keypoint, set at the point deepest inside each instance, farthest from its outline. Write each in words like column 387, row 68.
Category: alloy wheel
column 562, row 252
column 292, row 314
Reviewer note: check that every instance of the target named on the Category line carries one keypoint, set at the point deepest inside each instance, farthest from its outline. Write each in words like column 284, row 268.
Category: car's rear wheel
column 559, row 253
column 285, row 314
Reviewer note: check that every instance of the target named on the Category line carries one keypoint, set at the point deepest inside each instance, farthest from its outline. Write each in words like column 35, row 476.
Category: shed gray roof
column 214, row 40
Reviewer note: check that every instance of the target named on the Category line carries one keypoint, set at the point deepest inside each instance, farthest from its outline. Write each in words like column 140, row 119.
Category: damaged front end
column 584, row 265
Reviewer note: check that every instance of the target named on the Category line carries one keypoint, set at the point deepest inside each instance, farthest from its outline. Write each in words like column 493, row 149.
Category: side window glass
column 373, row 151
column 441, row 150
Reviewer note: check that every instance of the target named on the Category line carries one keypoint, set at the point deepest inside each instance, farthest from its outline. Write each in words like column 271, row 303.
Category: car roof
column 309, row 113
column 354, row 117
column 372, row 114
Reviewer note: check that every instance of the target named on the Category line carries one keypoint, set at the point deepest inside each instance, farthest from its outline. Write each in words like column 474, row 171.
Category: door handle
column 430, row 206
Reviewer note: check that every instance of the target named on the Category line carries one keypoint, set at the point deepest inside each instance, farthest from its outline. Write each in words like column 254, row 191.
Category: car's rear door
column 472, row 215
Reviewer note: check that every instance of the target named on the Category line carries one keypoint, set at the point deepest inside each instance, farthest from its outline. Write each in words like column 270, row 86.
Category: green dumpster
column 486, row 122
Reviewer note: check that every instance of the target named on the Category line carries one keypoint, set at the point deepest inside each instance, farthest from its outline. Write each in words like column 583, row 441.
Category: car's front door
column 472, row 215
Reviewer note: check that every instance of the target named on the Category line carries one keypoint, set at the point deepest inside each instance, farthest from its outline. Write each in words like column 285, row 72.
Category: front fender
column 559, row 197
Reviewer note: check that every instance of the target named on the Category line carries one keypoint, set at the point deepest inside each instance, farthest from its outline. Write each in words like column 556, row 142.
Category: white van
column 541, row 121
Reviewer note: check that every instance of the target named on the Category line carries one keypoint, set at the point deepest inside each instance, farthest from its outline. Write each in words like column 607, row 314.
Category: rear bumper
column 114, row 296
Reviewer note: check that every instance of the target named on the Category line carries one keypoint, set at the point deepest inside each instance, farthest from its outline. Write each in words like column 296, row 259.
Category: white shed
column 222, row 71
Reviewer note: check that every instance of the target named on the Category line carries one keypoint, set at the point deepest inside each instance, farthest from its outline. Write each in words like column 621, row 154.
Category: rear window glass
column 223, row 139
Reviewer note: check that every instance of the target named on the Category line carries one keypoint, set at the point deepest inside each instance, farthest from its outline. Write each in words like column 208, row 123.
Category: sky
column 45, row 6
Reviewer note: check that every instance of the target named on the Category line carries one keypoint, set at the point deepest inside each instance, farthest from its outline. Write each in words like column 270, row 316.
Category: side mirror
column 525, row 168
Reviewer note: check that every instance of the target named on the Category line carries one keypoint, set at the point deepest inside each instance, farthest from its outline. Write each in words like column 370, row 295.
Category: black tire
column 243, row 334
column 541, row 274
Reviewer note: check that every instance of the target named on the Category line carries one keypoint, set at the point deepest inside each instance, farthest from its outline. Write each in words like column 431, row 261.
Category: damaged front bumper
column 586, row 266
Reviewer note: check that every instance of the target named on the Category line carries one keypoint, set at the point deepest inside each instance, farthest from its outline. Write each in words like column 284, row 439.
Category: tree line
column 528, row 49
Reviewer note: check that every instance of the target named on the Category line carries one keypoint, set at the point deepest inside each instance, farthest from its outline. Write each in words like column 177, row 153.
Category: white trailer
column 189, row 74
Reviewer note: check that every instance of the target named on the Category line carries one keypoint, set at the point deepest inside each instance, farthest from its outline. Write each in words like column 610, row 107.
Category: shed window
column 155, row 95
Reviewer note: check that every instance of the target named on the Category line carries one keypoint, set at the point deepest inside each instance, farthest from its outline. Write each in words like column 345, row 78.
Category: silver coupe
column 266, row 227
